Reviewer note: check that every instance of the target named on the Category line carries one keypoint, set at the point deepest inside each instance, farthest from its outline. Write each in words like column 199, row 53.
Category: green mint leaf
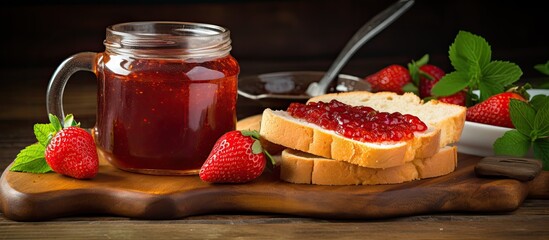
column 522, row 116
column 410, row 87
column 256, row 147
column 543, row 68
column 31, row 159
column 44, row 132
column 541, row 120
column 538, row 101
column 250, row 133
column 488, row 89
column 451, row 83
column 55, row 122
column 70, row 122
column 512, row 143
column 469, row 53
column 541, row 151
column 501, row 72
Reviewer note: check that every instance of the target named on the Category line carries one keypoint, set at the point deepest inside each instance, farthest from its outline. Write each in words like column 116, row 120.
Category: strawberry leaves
column 44, row 133
column 453, row 83
column 470, row 55
column 522, row 116
column 469, row 52
column 31, row 159
column 512, row 143
column 531, row 121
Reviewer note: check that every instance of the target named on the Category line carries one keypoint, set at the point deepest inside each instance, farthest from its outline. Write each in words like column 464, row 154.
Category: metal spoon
column 365, row 33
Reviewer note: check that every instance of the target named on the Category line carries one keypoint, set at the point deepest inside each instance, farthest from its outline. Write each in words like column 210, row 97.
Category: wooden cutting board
column 34, row 197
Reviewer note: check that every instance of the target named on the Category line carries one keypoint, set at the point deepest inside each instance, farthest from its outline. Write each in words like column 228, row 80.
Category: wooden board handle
column 539, row 187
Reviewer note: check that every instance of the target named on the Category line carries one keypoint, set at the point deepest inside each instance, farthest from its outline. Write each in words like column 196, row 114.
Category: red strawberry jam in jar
column 166, row 92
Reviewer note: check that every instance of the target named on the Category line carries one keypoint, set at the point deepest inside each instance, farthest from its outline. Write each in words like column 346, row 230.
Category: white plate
column 478, row 138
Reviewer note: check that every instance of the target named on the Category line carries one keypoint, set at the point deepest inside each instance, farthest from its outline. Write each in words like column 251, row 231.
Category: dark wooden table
column 24, row 104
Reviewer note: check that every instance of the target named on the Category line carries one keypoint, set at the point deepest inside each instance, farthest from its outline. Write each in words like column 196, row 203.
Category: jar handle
column 84, row 61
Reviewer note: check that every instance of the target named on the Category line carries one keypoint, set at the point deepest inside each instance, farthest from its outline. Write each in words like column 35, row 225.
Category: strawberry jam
column 164, row 116
column 360, row 123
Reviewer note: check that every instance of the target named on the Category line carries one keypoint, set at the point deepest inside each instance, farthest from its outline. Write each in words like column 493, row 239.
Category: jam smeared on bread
column 444, row 123
column 360, row 123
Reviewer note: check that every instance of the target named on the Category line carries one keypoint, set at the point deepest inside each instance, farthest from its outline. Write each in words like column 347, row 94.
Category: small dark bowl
column 277, row 90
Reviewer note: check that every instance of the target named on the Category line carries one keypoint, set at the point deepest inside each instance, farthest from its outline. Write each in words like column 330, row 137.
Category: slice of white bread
column 281, row 128
column 304, row 168
column 449, row 118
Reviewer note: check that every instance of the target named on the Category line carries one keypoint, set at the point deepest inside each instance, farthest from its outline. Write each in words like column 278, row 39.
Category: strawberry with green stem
column 471, row 57
column 237, row 157
column 494, row 110
column 66, row 149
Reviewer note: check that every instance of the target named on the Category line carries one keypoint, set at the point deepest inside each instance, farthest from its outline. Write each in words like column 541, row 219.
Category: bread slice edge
column 303, row 168
column 280, row 128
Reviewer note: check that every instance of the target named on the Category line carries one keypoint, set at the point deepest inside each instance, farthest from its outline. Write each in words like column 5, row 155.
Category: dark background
column 267, row 36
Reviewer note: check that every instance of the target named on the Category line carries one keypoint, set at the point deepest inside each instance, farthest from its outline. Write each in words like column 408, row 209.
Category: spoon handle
column 365, row 33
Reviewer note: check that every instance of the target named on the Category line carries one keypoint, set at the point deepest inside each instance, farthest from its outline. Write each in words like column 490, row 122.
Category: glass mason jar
column 166, row 92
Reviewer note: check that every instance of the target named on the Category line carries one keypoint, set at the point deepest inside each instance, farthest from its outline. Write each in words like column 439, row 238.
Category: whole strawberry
column 391, row 78
column 64, row 148
column 72, row 152
column 494, row 110
column 236, row 157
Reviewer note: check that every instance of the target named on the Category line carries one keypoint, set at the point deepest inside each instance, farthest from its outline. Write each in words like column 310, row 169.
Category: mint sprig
column 543, row 68
column 32, row 158
column 531, row 121
column 471, row 57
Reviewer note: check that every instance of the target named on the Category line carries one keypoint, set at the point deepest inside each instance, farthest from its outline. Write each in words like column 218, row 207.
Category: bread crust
column 304, row 168
column 280, row 128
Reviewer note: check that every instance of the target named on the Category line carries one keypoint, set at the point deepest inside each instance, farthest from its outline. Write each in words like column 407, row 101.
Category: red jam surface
column 163, row 114
column 360, row 123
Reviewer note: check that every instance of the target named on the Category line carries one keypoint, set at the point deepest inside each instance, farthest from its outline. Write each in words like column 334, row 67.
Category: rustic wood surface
column 34, row 197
